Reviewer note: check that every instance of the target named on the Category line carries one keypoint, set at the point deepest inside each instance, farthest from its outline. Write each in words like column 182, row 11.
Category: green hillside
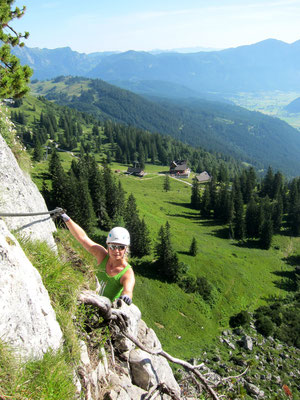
column 248, row 136
column 241, row 276
column 37, row 118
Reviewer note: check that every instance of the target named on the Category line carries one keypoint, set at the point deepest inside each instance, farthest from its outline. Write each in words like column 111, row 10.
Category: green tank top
column 110, row 286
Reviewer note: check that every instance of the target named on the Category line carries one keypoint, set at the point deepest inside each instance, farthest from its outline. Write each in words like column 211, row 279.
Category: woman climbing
column 115, row 275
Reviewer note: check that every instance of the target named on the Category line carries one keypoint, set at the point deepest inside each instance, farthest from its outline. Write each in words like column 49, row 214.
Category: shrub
column 188, row 284
column 204, row 288
column 240, row 319
column 264, row 325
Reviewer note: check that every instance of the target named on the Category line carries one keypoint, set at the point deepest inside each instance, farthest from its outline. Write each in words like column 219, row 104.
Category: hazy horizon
column 169, row 25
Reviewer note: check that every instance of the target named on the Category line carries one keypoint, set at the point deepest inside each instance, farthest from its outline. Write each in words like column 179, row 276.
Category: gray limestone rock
column 252, row 389
column 27, row 319
column 134, row 316
column 247, row 342
column 149, row 370
column 18, row 194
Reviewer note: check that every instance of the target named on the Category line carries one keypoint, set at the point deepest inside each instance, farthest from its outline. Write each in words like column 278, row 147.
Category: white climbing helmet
column 119, row 235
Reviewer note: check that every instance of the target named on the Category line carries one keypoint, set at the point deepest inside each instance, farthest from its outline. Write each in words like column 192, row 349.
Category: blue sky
column 120, row 25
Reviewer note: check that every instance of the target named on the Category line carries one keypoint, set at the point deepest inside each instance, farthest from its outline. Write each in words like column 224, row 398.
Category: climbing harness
column 54, row 213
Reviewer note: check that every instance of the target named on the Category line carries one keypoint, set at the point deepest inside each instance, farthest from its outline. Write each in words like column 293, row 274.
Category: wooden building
column 203, row 177
column 135, row 170
column 180, row 169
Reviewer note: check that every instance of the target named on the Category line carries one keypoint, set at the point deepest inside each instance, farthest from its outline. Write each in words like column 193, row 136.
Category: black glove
column 126, row 299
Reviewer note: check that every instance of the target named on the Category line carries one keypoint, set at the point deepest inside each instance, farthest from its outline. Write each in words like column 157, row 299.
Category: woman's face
column 116, row 250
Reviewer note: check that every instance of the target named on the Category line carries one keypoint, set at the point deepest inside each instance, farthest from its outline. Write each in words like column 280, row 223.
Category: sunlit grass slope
column 242, row 277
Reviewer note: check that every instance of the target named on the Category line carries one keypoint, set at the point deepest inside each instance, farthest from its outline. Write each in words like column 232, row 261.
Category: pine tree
column 166, row 183
column 238, row 221
column 249, row 185
column 193, row 248
column 38, row 151
column 141, row 156
column 266, row 234
column 223, row 174
column 97, row 191
column 108, row 157
column 212, row 193
column 205, row 205
column 278, row 185
column 72, row 203
column 277, row 214
column 195, row 196
column 293, row 196
column 294, row 211
column 267, row 184
column 111, row 201
column 86, row 218
column 95, row 130
column 120, row 204
column 59, row 193
column 167, row 262
column 133, row 225
column 251, row 214
column 224, row 205
column 145, row 241
column 14, row 78
column 259, row 219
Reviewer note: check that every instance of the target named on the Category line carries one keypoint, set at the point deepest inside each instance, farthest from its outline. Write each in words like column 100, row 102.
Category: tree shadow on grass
column 288, row 281
column 185, row 253
column 42, row 175
column 185, row 205
column 292, row 260
column 186, row 215
column 193, row 214
column 209, row 222
column 248, row 244
column 222, row 233
column 145, row 268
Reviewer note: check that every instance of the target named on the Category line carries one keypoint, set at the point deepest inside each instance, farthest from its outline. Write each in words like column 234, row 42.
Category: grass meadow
column 243, row 276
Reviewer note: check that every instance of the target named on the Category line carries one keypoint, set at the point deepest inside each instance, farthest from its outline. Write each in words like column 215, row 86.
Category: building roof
column 180, row 165
column 135, row 171
column 203, row 177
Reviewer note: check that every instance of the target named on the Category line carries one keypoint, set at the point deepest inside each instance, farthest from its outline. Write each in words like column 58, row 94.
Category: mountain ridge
column 267, row 65
column 214, row 126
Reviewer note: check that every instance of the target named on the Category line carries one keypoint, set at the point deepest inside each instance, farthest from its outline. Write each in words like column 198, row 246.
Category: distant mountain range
column 248, row 136
column 293, row 106
column 267, row 65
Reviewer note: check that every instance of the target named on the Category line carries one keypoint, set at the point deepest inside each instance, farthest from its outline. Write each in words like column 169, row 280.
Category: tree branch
column 104, row 305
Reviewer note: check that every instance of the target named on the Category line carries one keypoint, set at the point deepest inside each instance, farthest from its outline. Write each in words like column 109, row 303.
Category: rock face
column 138, row 371
column 27, row 320
column 18, row 194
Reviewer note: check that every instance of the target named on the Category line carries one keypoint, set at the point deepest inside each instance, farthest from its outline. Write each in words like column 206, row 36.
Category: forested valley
column 251, row 208
column 79, row 163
